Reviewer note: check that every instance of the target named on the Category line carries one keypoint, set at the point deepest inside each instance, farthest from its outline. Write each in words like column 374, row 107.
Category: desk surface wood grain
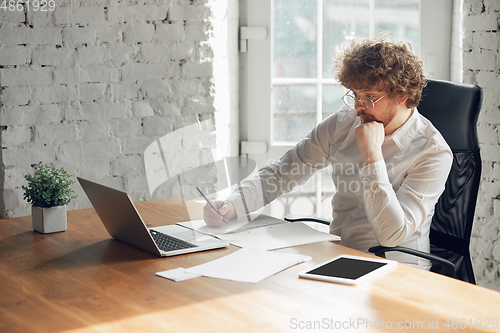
column 81, row 280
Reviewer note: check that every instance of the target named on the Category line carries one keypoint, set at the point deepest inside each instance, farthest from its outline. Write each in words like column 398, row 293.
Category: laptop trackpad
column 187, row 235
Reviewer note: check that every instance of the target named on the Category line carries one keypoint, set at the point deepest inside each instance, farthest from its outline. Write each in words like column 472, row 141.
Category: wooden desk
column 81, row 280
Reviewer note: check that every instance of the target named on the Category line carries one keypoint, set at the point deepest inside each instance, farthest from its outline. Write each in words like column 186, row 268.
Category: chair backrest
column 453, row 108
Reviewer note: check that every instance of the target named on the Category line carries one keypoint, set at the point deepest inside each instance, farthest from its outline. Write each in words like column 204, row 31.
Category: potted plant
column 49, row 192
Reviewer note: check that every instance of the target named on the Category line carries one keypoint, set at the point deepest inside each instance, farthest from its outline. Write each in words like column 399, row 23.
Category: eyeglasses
column 350, row 100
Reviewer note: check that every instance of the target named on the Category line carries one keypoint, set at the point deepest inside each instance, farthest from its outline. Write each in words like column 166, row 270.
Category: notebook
column 124, row 223
column 263, row 232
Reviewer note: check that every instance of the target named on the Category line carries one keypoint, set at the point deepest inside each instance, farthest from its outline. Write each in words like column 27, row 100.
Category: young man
column 389, row 163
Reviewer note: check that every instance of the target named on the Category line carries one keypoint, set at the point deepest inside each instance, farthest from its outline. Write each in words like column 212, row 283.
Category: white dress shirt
column 389, row 202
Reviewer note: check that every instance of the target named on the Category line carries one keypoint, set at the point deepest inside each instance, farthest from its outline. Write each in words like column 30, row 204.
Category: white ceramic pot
column 47, row 220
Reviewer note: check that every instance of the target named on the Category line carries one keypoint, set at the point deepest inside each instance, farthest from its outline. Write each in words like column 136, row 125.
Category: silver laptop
column 123, row 222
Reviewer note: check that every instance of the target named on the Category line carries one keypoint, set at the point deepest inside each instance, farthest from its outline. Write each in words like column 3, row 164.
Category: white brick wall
column 481, row 28
column 90, row 85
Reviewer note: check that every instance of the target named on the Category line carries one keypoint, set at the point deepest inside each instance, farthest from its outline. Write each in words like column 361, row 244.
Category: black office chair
column 453, row 108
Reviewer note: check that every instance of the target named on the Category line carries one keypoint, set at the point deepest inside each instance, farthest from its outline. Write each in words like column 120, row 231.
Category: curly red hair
column 388, row 66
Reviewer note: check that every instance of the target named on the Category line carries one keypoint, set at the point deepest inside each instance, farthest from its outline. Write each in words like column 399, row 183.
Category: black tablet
column 348, row 269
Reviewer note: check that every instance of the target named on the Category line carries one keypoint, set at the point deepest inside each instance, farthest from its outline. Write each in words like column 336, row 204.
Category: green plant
column 49, row 187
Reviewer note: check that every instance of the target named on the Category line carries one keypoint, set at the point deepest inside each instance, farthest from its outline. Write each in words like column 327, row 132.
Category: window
column 305, row 35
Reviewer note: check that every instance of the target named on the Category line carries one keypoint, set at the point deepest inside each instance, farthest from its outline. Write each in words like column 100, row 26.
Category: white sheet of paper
column 232, row 226
column 177, row 274
column 278, row 236
column 264, row 232
column 248, row 265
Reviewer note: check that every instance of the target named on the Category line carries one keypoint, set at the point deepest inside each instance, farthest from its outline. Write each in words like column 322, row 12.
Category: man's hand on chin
column 370, row 139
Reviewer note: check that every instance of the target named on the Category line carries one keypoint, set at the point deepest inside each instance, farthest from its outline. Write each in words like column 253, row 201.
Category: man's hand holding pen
column 214, row 219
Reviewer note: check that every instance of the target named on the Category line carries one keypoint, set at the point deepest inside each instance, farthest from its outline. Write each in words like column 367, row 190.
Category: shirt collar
column 403, row 136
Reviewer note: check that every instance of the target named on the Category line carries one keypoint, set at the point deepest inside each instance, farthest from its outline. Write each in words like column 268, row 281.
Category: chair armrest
column 449, row 267
column 299, row 218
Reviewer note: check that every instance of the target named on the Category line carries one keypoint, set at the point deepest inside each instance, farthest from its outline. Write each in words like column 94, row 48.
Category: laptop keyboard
column 168, row 243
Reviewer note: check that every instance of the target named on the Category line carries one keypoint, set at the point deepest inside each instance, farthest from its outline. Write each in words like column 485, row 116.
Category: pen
column 211, row 205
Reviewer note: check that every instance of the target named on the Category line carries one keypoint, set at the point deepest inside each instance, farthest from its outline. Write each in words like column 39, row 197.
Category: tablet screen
column 347, row 268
